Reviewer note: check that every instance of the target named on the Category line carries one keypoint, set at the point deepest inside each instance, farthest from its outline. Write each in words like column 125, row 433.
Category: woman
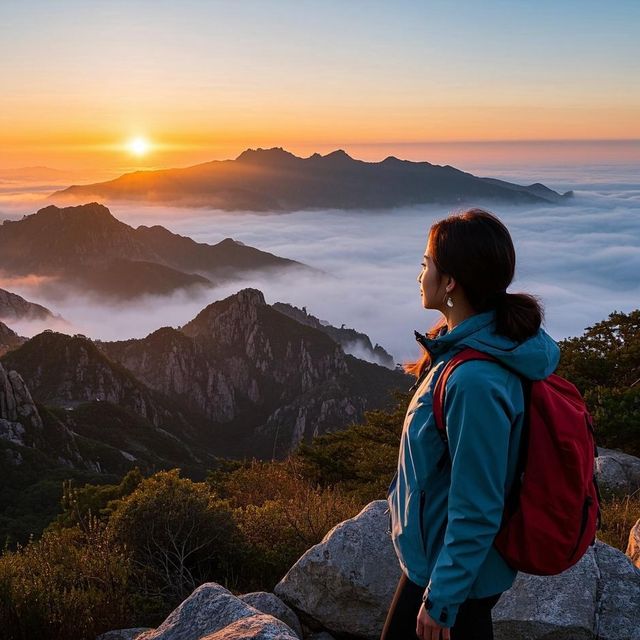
column 446, row 501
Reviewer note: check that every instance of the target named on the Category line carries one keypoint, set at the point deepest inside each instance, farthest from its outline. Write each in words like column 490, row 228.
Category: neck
column 457, row 314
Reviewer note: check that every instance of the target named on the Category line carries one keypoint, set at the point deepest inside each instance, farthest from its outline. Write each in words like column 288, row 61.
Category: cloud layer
column 582, row 259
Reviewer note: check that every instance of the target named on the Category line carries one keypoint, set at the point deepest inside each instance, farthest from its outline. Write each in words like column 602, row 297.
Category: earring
column 449, row 301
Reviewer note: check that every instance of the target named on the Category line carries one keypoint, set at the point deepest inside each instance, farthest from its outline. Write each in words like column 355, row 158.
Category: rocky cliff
column 352, row 341
column 265, row 380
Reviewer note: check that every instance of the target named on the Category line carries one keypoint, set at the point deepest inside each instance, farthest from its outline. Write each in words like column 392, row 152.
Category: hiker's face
column 430, row 283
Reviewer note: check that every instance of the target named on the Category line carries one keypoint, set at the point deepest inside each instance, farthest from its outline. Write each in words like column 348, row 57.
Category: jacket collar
column 447, row 339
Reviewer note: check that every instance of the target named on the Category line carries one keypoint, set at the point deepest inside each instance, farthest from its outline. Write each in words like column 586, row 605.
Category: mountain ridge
column 88, row 247
column 277, row 180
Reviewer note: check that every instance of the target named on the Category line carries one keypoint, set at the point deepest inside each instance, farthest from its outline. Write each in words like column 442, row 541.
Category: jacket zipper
column 588, row 501
column 422, row 496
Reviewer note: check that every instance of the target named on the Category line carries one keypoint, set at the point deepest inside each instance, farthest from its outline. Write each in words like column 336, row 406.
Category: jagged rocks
column 212, row 612
column 18, row 412
column 345, row 583
column 271, row 604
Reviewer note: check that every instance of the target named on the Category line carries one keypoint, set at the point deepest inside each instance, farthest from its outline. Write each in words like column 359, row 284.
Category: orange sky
column 211, row 79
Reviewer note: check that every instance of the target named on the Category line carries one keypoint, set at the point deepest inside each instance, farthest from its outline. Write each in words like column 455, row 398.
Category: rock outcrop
column 343, row 586
column 351, row 341
column 345, row 583
column 265, row 381
column 212, row 612
column 20, row 422
column 617, row 472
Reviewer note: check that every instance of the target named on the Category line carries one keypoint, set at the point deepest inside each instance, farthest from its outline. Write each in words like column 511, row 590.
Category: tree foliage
column 604, row 364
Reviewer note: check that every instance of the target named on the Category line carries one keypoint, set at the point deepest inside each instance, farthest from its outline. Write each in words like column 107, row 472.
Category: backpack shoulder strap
column 438, row 393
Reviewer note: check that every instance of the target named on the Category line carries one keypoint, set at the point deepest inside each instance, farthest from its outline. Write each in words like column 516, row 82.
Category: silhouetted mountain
column 86, row 246
column 276, row 180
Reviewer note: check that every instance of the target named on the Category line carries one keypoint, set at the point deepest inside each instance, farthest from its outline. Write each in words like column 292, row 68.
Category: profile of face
column 433, row 287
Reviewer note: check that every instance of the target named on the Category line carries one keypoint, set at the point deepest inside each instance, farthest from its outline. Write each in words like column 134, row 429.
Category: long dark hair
column 476, row 249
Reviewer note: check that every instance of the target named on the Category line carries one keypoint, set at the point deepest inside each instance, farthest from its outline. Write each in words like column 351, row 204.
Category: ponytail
column 518, row 315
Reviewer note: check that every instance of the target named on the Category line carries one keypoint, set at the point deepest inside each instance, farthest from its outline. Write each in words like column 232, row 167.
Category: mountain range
column 240, row 379
column 276, row 180
column 86, row 247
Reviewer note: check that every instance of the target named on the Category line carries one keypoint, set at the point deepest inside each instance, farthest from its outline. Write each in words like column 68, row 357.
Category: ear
column 451, row 284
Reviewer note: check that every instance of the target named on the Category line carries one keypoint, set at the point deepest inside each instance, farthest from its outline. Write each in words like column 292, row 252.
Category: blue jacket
column 444, row 517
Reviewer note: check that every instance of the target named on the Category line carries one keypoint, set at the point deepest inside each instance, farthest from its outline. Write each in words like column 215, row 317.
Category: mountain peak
column 91, row 208
column 266, row 156
column 229, row 317
column 339, row 155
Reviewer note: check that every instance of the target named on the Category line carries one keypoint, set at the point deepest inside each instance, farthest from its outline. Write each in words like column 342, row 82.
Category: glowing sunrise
column 311, row 315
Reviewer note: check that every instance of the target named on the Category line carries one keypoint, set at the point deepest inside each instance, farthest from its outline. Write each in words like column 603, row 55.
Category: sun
column 138, row 146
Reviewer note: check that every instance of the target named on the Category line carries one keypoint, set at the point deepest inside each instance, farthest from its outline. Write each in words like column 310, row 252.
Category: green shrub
column 179, row 533
column 69, row 584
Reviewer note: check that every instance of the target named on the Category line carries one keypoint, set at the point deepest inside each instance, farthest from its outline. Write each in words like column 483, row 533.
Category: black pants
column 473, row 621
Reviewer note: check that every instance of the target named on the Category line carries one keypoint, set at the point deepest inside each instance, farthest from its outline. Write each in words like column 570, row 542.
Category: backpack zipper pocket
column 421, row 519
column 588, row 501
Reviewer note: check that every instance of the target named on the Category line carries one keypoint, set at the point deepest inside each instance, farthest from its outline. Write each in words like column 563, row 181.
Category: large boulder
column 599, row 597
column 213, row 612
column 345, row 583
column 271, row 604
column 617, row 472
column 633, row 547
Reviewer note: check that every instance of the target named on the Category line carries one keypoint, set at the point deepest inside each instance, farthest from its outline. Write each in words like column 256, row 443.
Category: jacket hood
column 534, row 358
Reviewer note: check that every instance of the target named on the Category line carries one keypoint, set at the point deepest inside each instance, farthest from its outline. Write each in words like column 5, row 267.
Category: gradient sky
column 206, row 79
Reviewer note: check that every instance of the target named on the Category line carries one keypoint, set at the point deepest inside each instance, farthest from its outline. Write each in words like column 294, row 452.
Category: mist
column 582, row 259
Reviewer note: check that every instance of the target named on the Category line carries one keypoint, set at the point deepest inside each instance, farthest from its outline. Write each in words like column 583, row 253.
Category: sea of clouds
column 581, row 258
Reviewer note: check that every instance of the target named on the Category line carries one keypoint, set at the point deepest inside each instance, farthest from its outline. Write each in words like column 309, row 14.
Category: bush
column 281, row 515
column 604, row 364
column 619, row 514
column 179, row 533
column 70, row 584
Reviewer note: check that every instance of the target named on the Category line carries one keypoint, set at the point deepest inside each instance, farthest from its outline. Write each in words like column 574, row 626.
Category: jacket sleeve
column 478, row 413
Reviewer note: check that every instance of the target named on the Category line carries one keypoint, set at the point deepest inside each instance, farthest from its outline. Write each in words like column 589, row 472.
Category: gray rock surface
column 617, row 472
column 123, row 634
column 20, row 422
column 561, row 606
column 618, row 612
column 213, row 612
column 346, row 582
column 271, row 604
column 633, row 548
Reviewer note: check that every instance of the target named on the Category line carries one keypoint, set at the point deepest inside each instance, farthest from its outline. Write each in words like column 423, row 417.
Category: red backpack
column 552, row 511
